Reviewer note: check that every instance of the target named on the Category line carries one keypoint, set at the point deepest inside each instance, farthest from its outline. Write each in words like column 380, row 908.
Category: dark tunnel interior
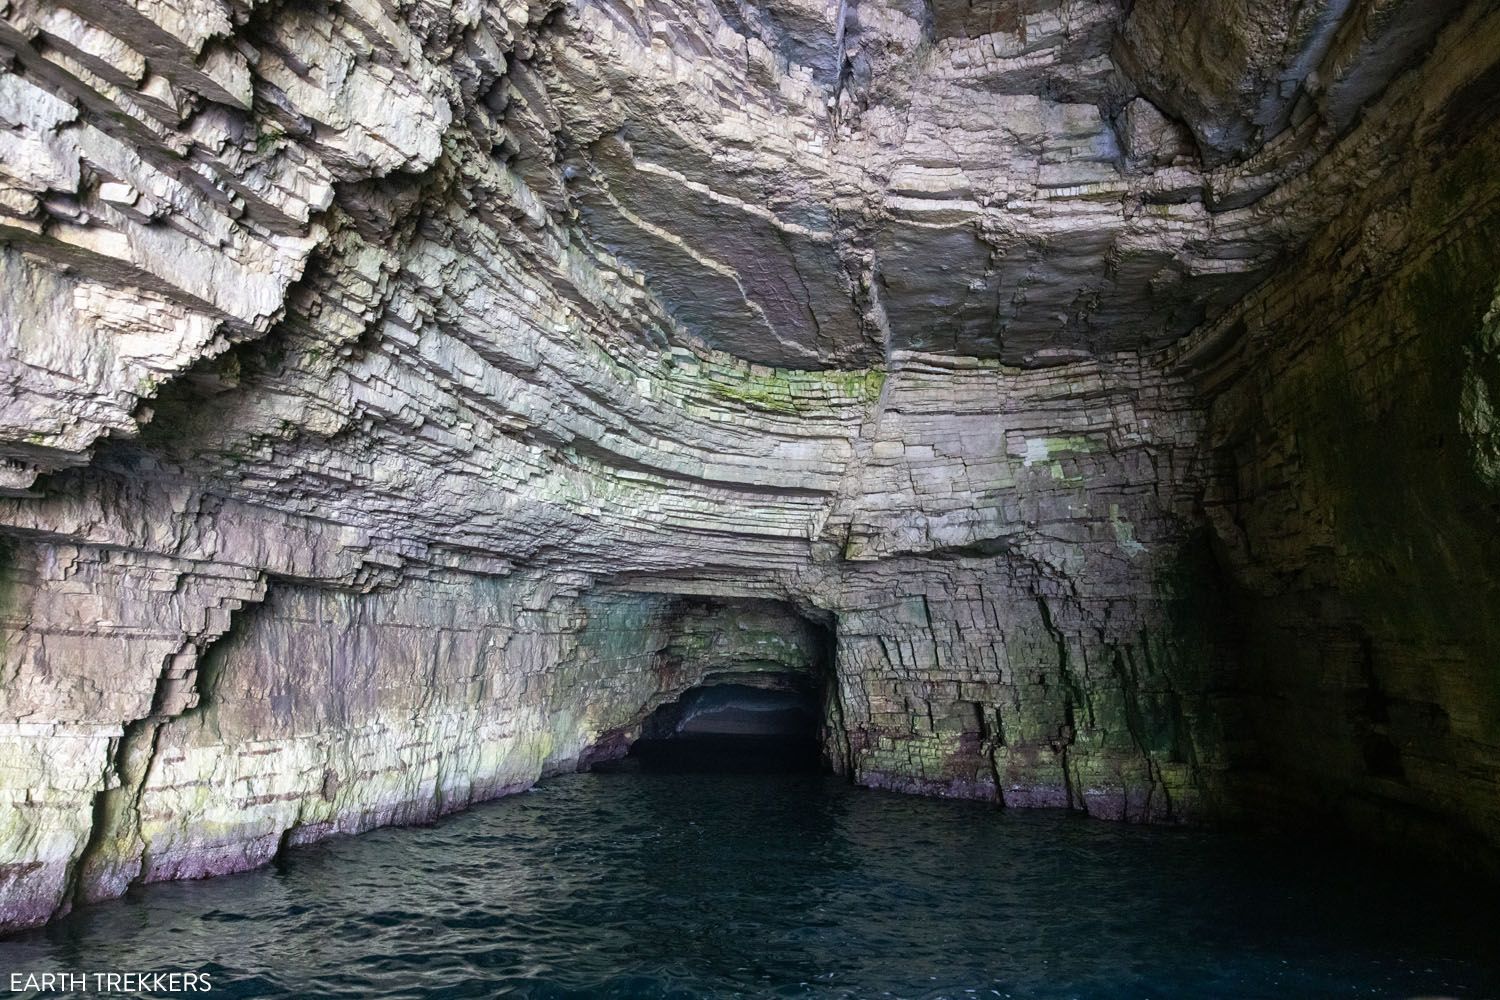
column 735, row 727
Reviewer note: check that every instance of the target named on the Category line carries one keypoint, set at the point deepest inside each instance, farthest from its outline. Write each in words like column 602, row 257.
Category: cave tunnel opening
column 762, row 695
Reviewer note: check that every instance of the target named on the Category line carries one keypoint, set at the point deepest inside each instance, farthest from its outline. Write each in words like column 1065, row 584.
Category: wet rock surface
column 402, row 401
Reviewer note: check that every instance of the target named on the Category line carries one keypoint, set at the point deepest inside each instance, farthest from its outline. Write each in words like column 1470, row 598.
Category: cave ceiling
column 815, row 185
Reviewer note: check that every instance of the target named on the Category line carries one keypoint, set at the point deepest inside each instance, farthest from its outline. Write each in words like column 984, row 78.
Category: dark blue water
column 645, row 885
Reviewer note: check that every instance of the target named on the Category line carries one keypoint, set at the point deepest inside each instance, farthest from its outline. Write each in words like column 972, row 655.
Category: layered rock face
column 401, row 401
column 1353, row 424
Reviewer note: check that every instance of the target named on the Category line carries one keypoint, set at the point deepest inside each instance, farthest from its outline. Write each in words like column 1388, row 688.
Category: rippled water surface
column 643, row 885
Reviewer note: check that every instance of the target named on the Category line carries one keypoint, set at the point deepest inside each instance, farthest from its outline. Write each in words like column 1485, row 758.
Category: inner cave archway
column 761, row 699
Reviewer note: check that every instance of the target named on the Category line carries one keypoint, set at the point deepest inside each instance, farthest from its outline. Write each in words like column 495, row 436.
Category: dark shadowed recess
column 761, row 704
column 734, row 727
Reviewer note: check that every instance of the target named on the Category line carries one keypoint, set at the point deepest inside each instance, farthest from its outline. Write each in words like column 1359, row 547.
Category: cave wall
column 1022, row 601
column 316, row 712
column 329, row 713
column 991, row 679
column 1353, row 420
column 1003, row 570
column 756, row 642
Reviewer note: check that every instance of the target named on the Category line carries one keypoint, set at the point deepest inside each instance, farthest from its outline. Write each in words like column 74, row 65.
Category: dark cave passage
column 735, row 727
column 763, row 672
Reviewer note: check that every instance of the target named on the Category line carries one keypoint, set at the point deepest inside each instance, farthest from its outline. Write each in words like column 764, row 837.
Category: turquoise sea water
column 681, row 885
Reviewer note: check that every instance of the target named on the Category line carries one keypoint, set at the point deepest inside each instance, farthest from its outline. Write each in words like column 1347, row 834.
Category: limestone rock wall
column 329, row 712
column 375, row 378
column 94, row 639
column 1014, row 603
column 322, row 712
column 990, row 680
column 751, row 642
column 1353, row 419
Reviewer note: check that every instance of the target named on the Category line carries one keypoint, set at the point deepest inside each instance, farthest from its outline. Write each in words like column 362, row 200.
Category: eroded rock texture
column 400, row 399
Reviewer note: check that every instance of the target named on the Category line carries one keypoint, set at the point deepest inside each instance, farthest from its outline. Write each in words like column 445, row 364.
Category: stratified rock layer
column 402, row 401
column 1353, row 424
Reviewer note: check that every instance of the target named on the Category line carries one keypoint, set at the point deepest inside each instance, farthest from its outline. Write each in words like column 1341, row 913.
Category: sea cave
column 717, row 498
